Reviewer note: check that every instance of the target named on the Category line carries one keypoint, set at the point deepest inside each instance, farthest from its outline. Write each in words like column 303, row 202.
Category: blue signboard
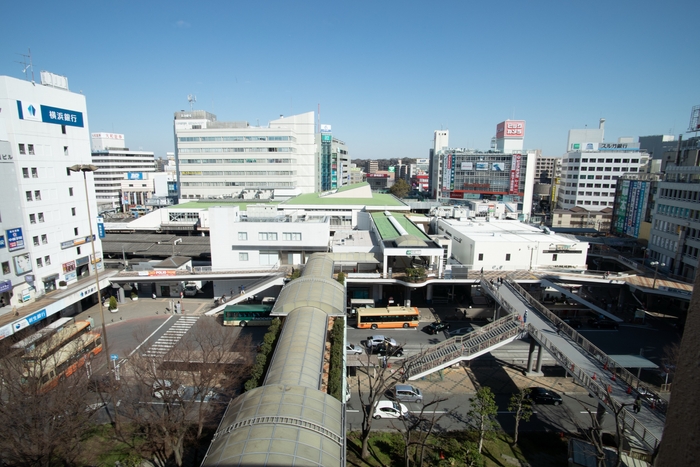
column 2, row 241
column 47, row 114
column 101, row 230
column 113, row 356
column 134, row 175
column 15, row 239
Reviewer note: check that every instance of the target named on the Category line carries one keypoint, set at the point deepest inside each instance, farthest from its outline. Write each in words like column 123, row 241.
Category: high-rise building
column 547, row 169
column 510, row 136
column 675, row 232
column 657, row 145
column 234, row 159
column 441, row 140
column 45, row 230
column 590, row 172
column 117, row 163
column 333, row 165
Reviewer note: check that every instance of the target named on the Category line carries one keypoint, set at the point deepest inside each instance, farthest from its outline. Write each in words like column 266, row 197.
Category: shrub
column 262, row 360
column 112, row 303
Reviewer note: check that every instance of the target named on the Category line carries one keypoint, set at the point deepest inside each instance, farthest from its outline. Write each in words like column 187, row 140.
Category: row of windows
column 675, row 211
column 272, row 236
column 241, row 184
column 192, row 139
column 591, row 185
column 590, row 193
column 44, row 240
column 46, row 261
column 587, row 203
column 235, row 161
column 227, row 150
column 593, row 177
column 29, row 149
column 600, row 160
column 481, row 257
column 683, row 195
column 249, row 173
column 665, row 243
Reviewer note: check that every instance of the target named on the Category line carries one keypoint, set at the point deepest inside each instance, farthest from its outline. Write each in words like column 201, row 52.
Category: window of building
column 242, row 235
column 72, row 211
column 5, row 267
column 30, row 149
column 268, row 258
column 63, row 129
column 625, row 161
column 22, row 149
column 25, row 172
column 65, row 150
column 39, row 263
column 41, row 217
column 608, row 161
column 70, row 191
column 608, row 169
column 481, row 256
column 554, row 257
column 507, row 256
column 267, row 236
column 44, row 239
column 32, row 219
column 37, row 195
column 47, row 260
column 28, row 194
column 617, row 161
column 242, row 256
column 75, row 230
column 291, row 236
column 35, row 172
column 36, row 240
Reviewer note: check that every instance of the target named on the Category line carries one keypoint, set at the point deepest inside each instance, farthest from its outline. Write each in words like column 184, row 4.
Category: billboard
column 44, row 113
column 134, row 176
column 515, row 174
column 498, row 166
column 448, row 173
column 15, row 239
column 482, row 166
column 467, row 166
column 510, row 129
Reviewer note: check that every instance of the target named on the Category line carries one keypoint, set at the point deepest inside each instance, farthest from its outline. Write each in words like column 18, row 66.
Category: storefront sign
column 5, row 286
column 15, row 239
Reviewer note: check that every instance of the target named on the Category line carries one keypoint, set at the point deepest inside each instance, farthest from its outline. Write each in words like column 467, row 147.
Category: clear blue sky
column 386, row 73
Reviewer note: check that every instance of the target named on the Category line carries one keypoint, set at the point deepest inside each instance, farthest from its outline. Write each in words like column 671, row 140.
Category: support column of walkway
column 538, row 369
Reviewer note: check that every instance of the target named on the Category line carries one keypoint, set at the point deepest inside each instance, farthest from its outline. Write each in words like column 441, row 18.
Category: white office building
column 117, row 163
column 45, row 235
column 589, row 174
column 236, row 160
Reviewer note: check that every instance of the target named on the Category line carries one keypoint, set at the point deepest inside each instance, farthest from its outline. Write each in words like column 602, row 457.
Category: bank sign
column 43, row 113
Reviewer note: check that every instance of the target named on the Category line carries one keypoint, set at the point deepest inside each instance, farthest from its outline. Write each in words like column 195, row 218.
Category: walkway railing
column 596, row 389
column 620, row 372
column 457, row 348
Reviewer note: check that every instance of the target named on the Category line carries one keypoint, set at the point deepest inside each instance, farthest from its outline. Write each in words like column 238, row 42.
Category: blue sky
column 386, row 74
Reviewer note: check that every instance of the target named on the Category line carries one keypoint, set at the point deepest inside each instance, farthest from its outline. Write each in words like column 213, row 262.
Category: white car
column 380, row 339
column 164, row 388
column 389, row 409
column 352, row 349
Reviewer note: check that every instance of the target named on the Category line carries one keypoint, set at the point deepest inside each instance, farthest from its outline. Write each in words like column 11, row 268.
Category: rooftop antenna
column 191, row 98
column 27, row 66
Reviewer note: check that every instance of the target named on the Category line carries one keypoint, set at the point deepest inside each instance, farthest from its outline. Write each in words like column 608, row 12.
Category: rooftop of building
column 505, row 231
column 358, row 194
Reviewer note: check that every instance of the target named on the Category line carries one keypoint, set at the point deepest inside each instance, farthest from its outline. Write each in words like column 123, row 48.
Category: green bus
column 247, row 315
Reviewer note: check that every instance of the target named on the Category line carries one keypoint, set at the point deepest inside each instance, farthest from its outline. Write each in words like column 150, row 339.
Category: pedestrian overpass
column 613, row 386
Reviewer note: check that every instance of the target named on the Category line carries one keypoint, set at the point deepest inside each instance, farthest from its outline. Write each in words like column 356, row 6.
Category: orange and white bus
column 63, row 362
column 388, row 317
column 50, row 343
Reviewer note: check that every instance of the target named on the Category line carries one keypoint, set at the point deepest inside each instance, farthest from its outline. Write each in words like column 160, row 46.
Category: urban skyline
column 385, row 76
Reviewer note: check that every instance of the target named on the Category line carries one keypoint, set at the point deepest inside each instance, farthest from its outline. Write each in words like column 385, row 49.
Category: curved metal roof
column 279, row 425
column 298, row 360
column 322, row 293
column 319, row 265
column 409, row 240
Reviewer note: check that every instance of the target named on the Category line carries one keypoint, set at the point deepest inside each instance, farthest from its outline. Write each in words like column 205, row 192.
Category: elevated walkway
column 613, row 386
column 580, row 300
column 461, row 348
column 251, row 290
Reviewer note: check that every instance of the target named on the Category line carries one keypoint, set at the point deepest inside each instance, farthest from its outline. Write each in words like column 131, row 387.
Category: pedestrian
column 154, row 295
column 558, row 328
column 525, row 317
column 482, row 271
column 638, row 404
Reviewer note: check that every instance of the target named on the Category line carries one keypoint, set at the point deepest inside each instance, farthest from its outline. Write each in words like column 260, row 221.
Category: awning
column 350, row 259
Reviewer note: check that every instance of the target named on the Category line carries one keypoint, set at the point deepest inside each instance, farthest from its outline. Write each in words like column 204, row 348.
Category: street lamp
column 92, row 168
column 656, row 265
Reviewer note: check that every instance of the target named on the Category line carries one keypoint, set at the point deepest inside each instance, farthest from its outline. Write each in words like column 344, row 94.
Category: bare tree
column 521, row 405
column 171, row 399
column 378, row 380
column 42, row 425
column 417, row 428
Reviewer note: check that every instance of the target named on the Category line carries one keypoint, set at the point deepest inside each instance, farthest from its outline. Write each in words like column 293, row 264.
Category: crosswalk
column 172, row 336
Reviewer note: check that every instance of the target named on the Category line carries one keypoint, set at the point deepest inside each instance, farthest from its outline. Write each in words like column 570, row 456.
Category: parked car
column 604, row 323
column 386, row 349
column 406, row 393
column 353, row 349
column 164, row 388
column 389, row 409
column 544, row 396
column 437, row 326
column 378, row 339
column 461, row 331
